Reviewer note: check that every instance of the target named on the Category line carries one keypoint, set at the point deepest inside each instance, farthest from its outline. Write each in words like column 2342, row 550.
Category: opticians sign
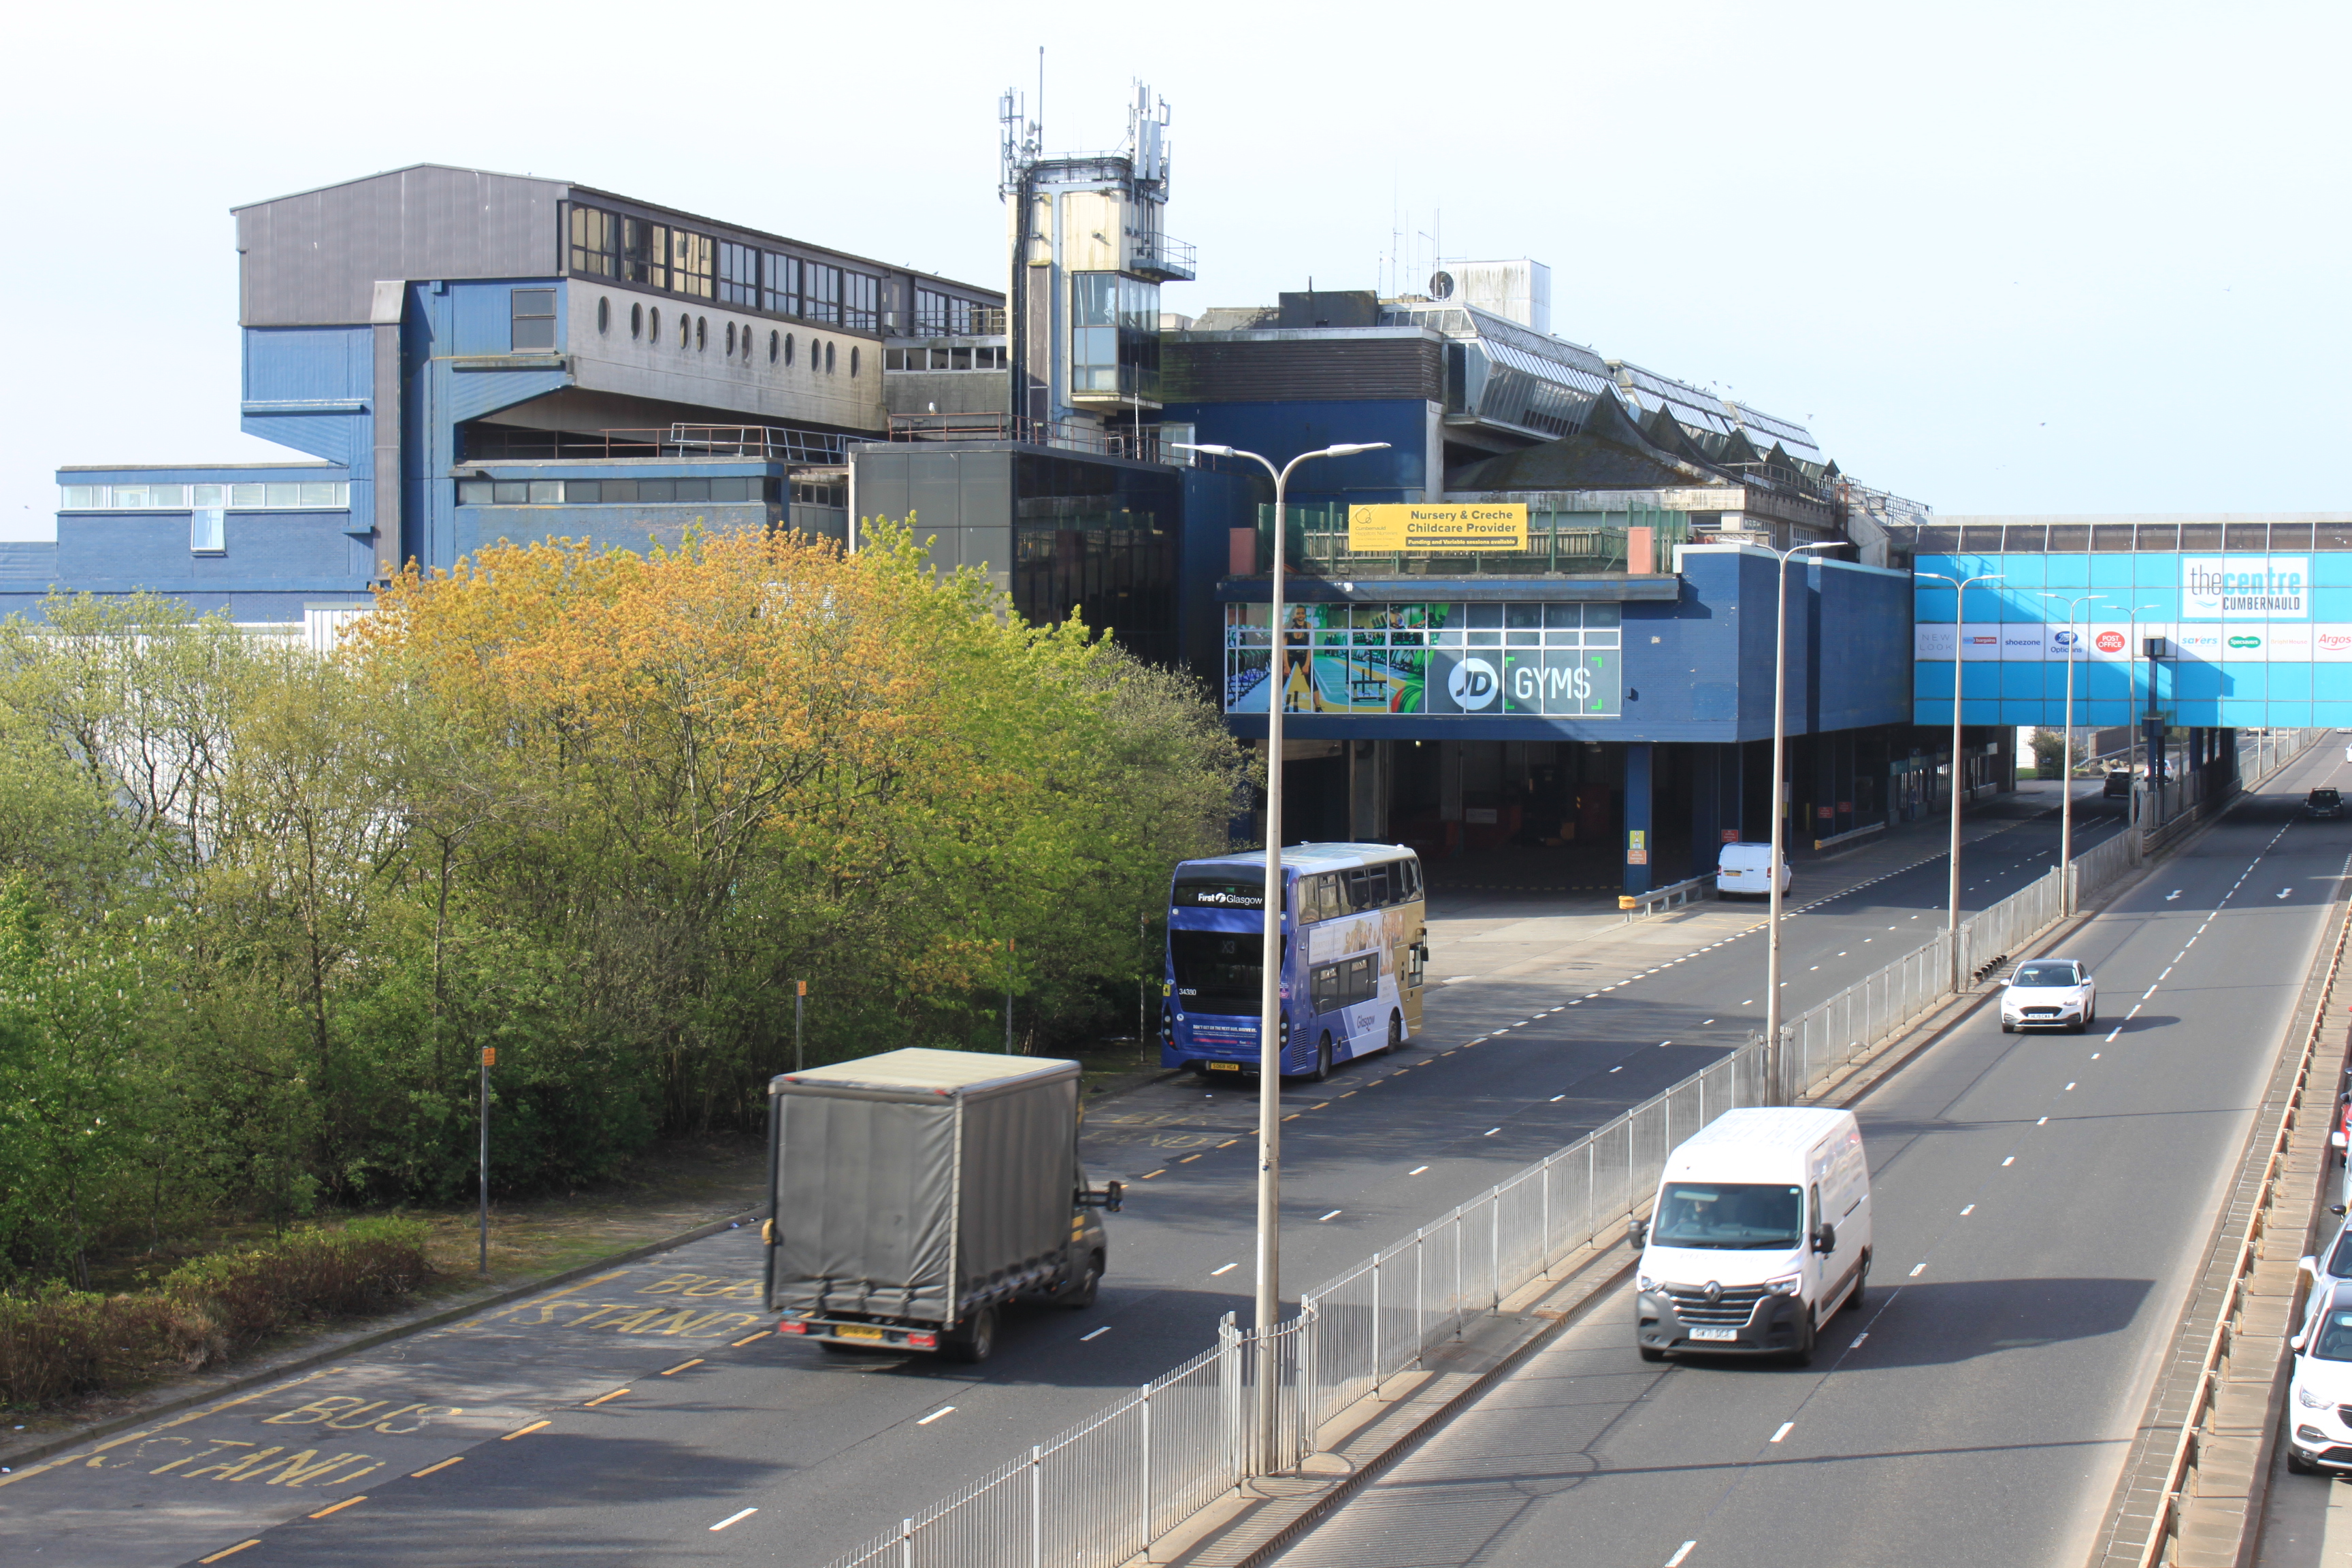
column 2245, row 587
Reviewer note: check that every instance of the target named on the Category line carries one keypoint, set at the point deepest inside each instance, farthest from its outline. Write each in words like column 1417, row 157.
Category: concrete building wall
column 695, row 368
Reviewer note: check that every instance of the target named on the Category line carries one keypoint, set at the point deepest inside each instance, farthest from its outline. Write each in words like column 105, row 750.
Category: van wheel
column 1651, row 1353
column 1396, row 1032
column 1860, row 1283
column 1803, row 1354
column 1322, row 1073
column 978, row 1340
column 1081, row 1295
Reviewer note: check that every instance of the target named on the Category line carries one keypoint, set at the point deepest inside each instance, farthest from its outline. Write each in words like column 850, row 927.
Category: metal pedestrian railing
column 1101, row 1492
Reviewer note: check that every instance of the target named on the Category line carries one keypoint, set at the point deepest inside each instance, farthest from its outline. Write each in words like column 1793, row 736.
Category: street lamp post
column 2066, row 767
column 1268, row 1302
column 1952, row 903
column 1775, row 1088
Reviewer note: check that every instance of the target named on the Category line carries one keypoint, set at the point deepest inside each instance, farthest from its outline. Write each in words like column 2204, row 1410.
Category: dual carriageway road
column 504, row 1432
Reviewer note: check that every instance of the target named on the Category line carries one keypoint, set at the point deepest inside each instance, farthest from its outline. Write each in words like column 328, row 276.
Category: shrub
column 57, row 1343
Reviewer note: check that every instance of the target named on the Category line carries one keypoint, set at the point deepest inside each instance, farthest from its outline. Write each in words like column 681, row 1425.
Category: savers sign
column 1372, row 529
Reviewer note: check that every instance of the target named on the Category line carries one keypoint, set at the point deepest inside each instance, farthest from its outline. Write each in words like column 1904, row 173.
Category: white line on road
column 935, row 1415
column 1490, row 1132
column 1786, row 1427
column 1335, row 1213
column 1416, row 1171
column 2172, row 895
column 1676, row 1559
column 2012, row 1159
column 2069, row 1089
column 1663, row 1044
column 2113, row 1033
column 2043, row 1123
column 1619, row 1067
column 1918, row 1269
column 2130, row 1016
column 1557, row 1098
column 1858, row 1339
column 2147, row 994
column 1967, row 1211
column 2159, row 979
column 734, row 1519
column 1095, row 1333
column 1703, row 1024
column 2095, row 1056
column 1229, row 1267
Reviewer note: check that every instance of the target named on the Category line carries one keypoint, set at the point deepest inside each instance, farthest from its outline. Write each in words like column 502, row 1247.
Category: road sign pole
column 800, row 995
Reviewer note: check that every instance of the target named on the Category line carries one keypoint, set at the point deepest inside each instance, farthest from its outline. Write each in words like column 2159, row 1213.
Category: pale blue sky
column 2005, row 258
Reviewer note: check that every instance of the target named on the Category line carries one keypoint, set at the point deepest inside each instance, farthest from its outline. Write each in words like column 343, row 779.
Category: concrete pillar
column 1641, row 840
column 1449, row 792
column 1707, row 809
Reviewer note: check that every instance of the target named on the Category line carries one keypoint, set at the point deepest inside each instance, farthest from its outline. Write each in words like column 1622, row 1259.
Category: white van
column 1760, row 1232
column 1748, row 868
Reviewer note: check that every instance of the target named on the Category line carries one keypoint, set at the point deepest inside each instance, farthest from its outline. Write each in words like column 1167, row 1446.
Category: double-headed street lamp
column 1775, row 1090
column 1269, row 1042
column 1952, row 907
column 2066, row 768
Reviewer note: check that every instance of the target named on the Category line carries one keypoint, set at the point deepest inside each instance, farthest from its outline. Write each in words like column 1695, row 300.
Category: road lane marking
column 1786, row 1427
column 1229, row 1142
column 1858, row 1339
column 2069, row 1089
column 1490, row 1132
column 682, row 1366
column 1335, row 1213
column 1619, row 1067
column 525, row 1431
column 2130, row 1016
column 1967, row 1211
column 1557, row 1099
column 2010, row 1160
column 420, row 1475
column 2159, row 979
column 1663, row 1044
column 334, row 1507
column 1703, row 1022
column 747, row 1339
column 2095, row 1056
column 1918, row 1269
column 734, row 1519
column 1228, row 1269
column 2172, row 895
column 232, row 1551
column 615, row 1394
column 1676, row 1559
column 1190, row 1158
column 1416, row 1171
column 1094, row 1335
column 1149, row 1174
column 935, row 1415
column 2113, row 1033
column 2147, row 994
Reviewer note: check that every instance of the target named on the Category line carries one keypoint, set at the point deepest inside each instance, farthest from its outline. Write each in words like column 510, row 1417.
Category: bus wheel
column 1396, row 1031
column 1322, row 1059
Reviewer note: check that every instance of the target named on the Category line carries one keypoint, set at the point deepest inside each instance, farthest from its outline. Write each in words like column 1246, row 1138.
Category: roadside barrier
column 1101, row 1492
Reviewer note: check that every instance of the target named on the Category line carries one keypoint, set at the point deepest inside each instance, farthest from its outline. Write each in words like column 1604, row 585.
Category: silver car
column 2050, row 993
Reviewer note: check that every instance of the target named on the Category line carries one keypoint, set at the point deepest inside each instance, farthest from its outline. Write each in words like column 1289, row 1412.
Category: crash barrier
column 1637, row 905
column 1102, row 1492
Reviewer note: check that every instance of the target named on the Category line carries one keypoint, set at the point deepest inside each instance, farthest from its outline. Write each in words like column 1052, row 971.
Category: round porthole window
column 730, row 338
column 702, row 331
column 603, row 315
column 772, row 349
column 790, row 347
column 638, row 322
column 853, row 363
column 686, row 332
column 828, row 359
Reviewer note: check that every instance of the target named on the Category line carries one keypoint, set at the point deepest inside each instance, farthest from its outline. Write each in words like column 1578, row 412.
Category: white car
column 1747, row 869
column 2318, row 1435
column 2050, row 993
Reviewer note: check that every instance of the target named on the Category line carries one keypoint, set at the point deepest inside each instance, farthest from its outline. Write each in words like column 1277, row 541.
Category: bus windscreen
column 1218, row 970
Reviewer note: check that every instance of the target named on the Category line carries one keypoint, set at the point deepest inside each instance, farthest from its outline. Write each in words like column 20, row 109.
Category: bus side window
column 1363, row 979
column 1324, row 984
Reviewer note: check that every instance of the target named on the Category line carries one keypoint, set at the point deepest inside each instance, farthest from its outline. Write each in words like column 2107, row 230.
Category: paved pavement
column 505, row 1433
column 2042, row 1203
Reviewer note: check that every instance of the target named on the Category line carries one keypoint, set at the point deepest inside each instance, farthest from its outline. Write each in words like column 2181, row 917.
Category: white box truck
column 1760, row 1232
column 915, row 1194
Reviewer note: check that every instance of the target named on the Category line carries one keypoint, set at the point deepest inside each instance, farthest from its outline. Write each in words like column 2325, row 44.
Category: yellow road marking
column 1188, row 1158
column 332, row 1508
column 232, row 1551
column 1149, row 1174
column 682, row 1366
column 30, row 1471
column 601, row 1397
column 567, row 1290
column 738, row 1344
column 1294, row 1116
column 1349, row 1095
column 419, row 1475
column 1228, row 1142
column 1325, row 1106
column 524, row 1431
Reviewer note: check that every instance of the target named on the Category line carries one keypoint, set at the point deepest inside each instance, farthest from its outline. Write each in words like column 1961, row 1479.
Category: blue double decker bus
column 1355, row 948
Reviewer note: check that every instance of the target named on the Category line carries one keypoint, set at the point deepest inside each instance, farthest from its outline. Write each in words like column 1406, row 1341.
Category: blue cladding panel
column 1282, row 430
column 309, row 364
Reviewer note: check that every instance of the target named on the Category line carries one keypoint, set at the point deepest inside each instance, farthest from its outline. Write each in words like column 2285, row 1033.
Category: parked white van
column 1748, row 868
column 1761, row 1231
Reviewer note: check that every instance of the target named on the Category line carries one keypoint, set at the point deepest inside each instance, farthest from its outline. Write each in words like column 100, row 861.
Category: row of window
column 644, row 492
column 659, row 255
column 1113, row 335
column 322, row 494
column 939, row 315
column 985, row 358
column 694, row 332
column 1345, row 985
column 1335, row 893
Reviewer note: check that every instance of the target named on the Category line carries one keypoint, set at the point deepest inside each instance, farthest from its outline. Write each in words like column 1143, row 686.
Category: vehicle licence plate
column 853, row 1331
column 1225, row 1067
column 1715, row 1333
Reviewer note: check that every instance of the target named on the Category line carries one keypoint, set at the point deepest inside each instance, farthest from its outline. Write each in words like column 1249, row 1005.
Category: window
column 739, row 273
column 577, row 491
column 701, row 333
column 685, row 331
column 773, row 340
column 1114, row 335
column 731, row 340
column 788, row 348
column 76, row 498
column 653, row 330
column 595, row 243
column 206, row 531
column 939, row 315
column 834, row 493
column 780, row 283
column 638, row 322
column 645, row 252
column 1346, row 984
column 316, row 494
column 821, row 292
column 534, row 320
column 852, row 361
column 861, row 297
column 692, row 263
column 603, row 316
column 828, row 359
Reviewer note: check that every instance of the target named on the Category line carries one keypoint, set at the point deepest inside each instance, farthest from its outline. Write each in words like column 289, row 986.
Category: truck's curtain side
column 1020, row 1167
column 864, row 1202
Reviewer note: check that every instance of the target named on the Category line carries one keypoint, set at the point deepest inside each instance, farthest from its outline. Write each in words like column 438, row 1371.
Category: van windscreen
column 1733, row 1215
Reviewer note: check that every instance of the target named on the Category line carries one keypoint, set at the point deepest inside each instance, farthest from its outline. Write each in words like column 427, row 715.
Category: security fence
column 1101, row 1492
